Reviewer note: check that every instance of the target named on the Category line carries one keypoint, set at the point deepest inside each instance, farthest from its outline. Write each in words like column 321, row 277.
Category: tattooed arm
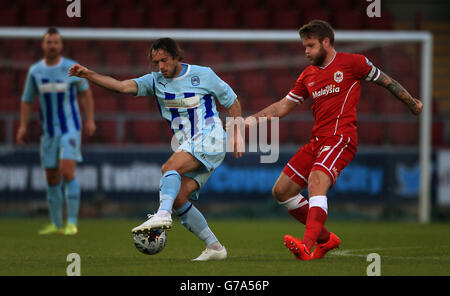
column 414, row 105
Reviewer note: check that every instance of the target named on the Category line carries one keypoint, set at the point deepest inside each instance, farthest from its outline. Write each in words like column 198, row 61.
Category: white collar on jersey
column 188, row 69
column 335, row 53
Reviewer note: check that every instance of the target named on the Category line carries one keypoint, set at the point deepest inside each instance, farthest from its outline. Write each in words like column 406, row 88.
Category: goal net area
column 393, row 163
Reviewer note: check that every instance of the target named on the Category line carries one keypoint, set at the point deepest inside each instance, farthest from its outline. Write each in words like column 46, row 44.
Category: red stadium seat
column 390, row 105
column 7, row 84
column 244, row 5
column 137, row 105
column 287, row 18
column 212, row 5
column 117, row 59
column 132, row 17
column 345, row 19
column 162, row 18
column 94, row 5
column 61, row 19
column 26, row 57
column 146, row 131
column 226, row 18
column 9, row 17
column 366, row 105
column 107, row 130
column 255, row 84
column 255, row 19
column 212, row 58
column 257, row 103
column 9, row 103
column 36, row 17
column 304, row 5
column 371, row 133
column 403, row 133
column 379, row 23
column 89, row 58
column 283, row 84
column 106, row 104
column 314, row 14
column 335, row 5
column 277, row 4
column 103, row 17
column 302, row 132
column 267, row 49
column 194, row 18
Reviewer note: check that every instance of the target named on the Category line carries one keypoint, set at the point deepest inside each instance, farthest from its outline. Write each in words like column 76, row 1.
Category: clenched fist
column 79, row 71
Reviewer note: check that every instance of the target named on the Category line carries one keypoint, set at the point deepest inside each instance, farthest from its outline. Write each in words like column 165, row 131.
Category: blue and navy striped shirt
column 187, row 101
column 57, row 92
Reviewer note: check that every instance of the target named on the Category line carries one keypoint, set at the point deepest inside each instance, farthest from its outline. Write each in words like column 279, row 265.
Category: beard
column 320, row 58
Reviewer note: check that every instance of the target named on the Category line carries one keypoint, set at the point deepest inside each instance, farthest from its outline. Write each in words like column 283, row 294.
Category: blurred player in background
column 61, row 128
column 333, row 82
column 185, row 96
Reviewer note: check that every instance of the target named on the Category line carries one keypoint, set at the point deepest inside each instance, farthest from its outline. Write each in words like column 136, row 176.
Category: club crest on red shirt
column 338, row 76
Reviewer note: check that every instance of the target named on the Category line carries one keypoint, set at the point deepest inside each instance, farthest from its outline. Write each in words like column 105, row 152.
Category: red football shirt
column 335, row 90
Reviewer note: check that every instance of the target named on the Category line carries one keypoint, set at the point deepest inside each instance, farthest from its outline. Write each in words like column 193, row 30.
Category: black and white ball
column 150, row 243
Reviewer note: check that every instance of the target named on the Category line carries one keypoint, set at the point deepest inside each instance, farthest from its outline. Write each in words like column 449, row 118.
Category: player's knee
column 278, row 192
column 168, row 166
column 318, row 183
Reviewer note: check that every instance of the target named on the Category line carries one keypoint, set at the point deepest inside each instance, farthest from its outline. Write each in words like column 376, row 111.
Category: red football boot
column 321, row 249
column 297, row 248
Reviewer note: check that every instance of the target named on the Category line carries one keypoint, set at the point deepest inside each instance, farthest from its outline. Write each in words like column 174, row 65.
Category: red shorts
column 327, row 154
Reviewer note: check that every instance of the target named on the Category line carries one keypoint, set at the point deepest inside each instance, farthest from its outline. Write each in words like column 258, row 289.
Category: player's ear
column 326, row 43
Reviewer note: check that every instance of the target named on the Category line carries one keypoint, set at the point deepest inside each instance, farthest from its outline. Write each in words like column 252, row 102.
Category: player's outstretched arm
column 414, row 105
column 125, row 86
column 279, row 109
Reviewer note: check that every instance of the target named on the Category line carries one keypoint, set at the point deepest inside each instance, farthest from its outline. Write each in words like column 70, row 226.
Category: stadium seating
column 9, row 16
column 256, row 88
column 371, row 133
column 226, row 18
column 133, row 17
column 403, row 133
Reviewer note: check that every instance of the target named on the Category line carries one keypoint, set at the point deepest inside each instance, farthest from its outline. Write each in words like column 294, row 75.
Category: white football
column 150, row 243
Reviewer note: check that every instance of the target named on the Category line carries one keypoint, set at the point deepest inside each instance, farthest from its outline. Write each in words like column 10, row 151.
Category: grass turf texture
column 255, row 248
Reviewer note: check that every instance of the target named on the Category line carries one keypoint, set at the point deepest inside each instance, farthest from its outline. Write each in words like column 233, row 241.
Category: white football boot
column 156, row 221
column 210, row 254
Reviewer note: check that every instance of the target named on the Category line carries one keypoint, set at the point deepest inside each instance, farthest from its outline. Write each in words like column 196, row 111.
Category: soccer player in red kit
column 333, row 81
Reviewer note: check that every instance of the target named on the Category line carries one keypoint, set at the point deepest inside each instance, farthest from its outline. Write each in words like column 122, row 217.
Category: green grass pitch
column 255, row 248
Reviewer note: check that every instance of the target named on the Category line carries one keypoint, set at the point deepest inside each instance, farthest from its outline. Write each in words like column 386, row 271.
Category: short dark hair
column 51, row 31
column 169, row 45
column 319, row 29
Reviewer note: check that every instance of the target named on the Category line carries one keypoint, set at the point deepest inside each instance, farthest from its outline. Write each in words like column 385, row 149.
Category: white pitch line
column 349, row 253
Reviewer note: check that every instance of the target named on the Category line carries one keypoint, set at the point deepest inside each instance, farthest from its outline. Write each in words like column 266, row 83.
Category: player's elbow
column 127, row 87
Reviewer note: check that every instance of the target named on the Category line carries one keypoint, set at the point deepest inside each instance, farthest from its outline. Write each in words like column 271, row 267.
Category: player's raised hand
column 78, row 70
column 417, row 108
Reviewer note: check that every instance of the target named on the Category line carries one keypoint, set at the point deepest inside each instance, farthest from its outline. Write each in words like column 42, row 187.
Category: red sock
column 314, row 225
column 301, row 213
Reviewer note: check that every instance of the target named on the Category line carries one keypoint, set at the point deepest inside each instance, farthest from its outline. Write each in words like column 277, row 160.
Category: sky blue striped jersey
column 59, row 111
column 187, row 101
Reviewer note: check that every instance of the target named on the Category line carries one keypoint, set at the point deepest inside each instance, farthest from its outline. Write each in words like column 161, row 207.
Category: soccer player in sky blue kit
column 61, row 128
column 185, row 96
